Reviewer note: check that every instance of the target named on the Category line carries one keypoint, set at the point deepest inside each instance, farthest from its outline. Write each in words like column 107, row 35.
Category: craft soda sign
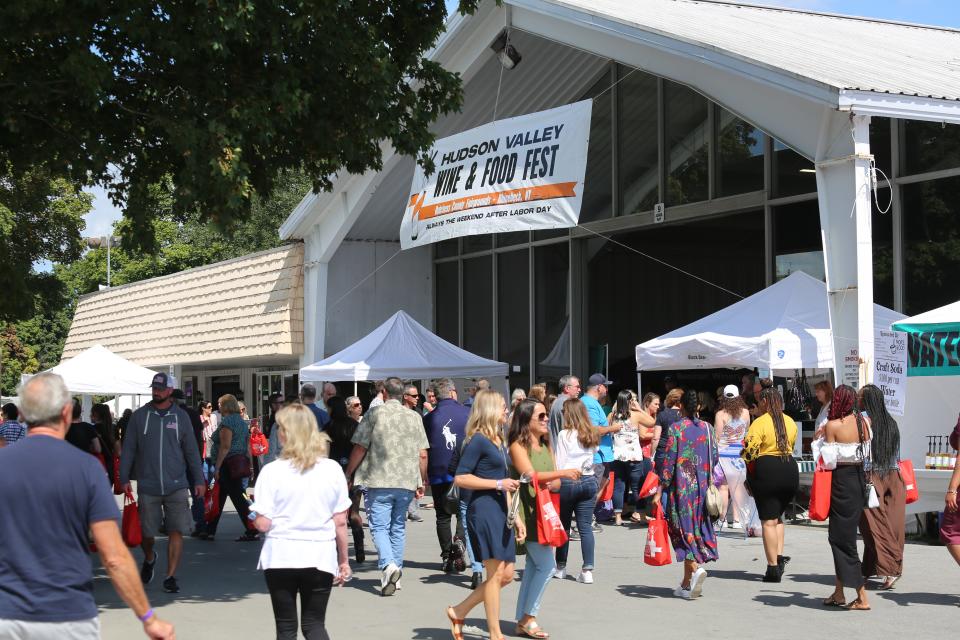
column 517, row 174
column 934, row 352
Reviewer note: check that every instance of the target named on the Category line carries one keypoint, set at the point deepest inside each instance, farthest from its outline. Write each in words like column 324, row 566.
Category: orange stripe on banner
column 513, row 196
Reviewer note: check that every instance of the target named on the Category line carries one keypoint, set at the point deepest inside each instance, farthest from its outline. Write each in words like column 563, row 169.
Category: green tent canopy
column 933, row 341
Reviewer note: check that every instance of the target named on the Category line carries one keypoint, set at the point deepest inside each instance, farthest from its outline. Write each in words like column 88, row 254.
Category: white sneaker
column 736, row 525
column 388, row 579
column 696, row 582
column 680, row 592
column 585, row 577
column 560, row 573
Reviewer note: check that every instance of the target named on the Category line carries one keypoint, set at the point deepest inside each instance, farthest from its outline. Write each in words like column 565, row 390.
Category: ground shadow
column 793, row 599
column 472, row 628
column 644, row 591
column 728, row 574
column 815, row 578
column 905, row 599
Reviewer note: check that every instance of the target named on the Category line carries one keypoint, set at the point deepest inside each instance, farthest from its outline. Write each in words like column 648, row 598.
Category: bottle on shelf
column 928, row 459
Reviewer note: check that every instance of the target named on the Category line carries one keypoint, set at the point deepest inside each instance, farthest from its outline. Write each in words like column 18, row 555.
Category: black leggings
column 313, row 586
column 232, row 488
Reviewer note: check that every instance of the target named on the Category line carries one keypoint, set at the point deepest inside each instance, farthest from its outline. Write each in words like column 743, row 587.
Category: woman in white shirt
column 576, row 445
column 302, row 505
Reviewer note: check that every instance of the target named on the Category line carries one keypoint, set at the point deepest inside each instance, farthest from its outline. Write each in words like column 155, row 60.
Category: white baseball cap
column 731, row 391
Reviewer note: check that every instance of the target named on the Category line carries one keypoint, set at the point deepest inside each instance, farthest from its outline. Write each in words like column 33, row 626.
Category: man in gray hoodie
column 159, row 451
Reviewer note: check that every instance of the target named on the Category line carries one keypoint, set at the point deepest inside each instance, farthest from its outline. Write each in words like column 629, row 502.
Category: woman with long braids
column 685, row 475
column 774, row 477
column 882, row 527
column 844, row 448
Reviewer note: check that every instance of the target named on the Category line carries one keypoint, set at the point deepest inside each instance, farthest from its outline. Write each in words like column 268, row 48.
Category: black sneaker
column 170, row 585
column 146, row 570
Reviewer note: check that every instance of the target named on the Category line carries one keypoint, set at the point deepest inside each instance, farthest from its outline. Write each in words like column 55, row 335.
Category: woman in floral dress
column 685, row 474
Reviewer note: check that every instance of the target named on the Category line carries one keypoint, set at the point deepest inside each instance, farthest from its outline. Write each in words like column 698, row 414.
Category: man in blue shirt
column 10, row 429
column 308, row 396
column 45, row 574
column 446, row 428
column 596, row 389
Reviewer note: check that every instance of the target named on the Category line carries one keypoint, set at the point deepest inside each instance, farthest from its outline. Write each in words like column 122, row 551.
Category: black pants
column 846, row 506
column 234, row 489
column 313, row 586
column 444, row 535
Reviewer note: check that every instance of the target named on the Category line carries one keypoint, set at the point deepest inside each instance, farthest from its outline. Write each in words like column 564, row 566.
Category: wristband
column 952, row 492
column 499, row 485
column 146, row 616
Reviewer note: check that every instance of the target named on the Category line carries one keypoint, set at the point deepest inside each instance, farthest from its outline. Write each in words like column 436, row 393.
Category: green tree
column 219, row 96
column 18, row 359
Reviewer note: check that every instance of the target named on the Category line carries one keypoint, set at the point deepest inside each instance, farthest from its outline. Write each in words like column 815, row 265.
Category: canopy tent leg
column 843, row 193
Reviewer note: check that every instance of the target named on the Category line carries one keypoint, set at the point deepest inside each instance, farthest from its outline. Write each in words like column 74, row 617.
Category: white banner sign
column 511, row 175
column 890, row 369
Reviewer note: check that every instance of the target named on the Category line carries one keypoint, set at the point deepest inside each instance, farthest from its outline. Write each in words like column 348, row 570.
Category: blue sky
column 934, row 12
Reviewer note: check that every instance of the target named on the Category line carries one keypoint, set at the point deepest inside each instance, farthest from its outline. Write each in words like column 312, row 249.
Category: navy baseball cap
column 598, row 379
column 161, row 381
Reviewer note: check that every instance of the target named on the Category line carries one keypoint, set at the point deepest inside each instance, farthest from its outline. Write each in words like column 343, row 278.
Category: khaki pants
column 73, row 630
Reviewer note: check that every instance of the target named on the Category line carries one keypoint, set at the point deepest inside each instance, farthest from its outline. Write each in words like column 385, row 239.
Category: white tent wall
column 932, row 407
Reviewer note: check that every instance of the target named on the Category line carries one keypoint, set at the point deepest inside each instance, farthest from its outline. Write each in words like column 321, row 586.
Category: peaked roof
column 785, row 326
column 842, row 52
column 403, row 348
column 930, row 320
column 98, row 370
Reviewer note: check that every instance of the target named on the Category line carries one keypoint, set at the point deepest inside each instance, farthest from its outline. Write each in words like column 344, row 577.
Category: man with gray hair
column 46, row 577
column 569, row 388
column 390, row 459
column 308, row 396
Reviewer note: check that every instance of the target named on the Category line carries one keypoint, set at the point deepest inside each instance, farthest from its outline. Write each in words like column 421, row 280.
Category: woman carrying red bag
column 530, row 452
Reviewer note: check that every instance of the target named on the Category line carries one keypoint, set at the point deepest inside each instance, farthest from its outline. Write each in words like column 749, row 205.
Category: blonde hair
column 575, row 418
column 303, row 442
column 228, row 404
column 486, row 415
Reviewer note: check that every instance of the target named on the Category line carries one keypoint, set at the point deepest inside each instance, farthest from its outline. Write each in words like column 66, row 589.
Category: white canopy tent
column 99, row 371
column 781, row 328
column 403, row 348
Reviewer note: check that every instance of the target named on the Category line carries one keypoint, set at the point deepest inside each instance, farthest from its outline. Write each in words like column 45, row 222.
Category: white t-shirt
column 301, row 507
column 570, row 455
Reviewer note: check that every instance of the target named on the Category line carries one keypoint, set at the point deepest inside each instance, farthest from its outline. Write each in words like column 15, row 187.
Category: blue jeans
column 196, row 509
column 578, row 498
column 628, row 477
column 536, row 574
column 387, row 512
column 474, row 565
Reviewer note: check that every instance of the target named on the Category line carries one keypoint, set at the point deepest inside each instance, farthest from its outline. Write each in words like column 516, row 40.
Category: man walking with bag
column 160, row 447
column 45, row 574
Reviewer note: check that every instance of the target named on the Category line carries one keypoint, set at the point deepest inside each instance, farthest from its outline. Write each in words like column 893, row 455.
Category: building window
column 473, row 244
column 513, row 314
column 551, row 273
column 687, row 133
column 446, row 248
column 638, row 136
column 929, row 146
column 797, row 243
column 739, row 155
column 447, row 300
column 931, row 221
column 512, row 238
column 478, row 305
column 880, row 146
column 882, row 225
column 598, row 183
column 792, row 173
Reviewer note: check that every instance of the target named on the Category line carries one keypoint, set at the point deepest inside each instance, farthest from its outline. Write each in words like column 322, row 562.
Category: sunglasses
column 354, row 405
column 541, row 416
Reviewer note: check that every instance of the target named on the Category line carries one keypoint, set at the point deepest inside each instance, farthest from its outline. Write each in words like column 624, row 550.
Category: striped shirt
column 11, row 431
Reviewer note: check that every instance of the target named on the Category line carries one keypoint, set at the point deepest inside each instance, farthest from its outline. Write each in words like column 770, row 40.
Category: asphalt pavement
column 223, row 596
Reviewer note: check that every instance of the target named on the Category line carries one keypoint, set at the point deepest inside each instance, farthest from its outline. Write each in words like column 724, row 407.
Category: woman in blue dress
column 483, row 470
column 685, row 475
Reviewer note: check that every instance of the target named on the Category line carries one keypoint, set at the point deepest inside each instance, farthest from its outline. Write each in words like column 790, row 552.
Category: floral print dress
column 684, row 476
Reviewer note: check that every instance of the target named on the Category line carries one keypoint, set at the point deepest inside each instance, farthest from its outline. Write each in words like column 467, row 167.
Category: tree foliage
column 216, row 97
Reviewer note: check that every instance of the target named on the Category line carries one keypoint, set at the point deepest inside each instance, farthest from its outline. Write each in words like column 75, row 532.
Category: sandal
column 888, row 583
column 456, row 624
column 833, row 602
column 636, row 517
column 858, row 605
column 532, row 631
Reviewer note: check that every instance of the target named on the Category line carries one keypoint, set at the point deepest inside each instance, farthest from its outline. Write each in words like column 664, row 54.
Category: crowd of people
column 523, row 477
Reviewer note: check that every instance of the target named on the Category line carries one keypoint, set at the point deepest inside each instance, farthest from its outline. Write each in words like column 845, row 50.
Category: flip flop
column 456, row 624
column 833, row 602
column 889, row 583
column 858, row 605
column 532, row 631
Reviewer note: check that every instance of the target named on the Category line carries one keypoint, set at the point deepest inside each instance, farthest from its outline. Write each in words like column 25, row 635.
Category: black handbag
column 451, row 500
column 238, row 465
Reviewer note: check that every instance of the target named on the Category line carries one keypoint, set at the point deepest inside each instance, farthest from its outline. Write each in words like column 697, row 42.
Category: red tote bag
column 909, row 481
column 657, row 550
column 820, row 494
column 607, row 490
column 549, row 529
column 211, row 502
column 130, row 524
column 650, row 485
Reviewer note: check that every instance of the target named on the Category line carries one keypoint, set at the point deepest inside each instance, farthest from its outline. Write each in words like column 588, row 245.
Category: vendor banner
column 517, row 174
column 933, row 349
column 890, row 369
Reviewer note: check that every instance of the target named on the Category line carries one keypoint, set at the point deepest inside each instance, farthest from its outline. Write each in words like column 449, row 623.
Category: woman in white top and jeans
column 301, row 505
column 576, row 445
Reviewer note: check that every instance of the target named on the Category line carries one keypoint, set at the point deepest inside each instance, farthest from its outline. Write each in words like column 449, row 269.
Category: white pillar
column 844, row 195
column 314, row 300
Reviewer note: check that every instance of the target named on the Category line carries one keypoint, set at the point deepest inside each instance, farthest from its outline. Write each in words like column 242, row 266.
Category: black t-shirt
column 81, row 435
column 52, row 494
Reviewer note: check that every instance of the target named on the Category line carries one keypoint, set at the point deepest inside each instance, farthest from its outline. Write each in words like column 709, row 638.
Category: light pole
column 109, row 241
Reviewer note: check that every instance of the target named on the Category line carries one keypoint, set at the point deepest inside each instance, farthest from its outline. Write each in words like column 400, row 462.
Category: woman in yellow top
column 773, row 474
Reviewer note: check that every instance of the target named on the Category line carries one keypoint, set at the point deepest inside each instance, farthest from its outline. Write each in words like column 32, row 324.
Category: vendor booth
column 403, row 348
column 99, row 371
